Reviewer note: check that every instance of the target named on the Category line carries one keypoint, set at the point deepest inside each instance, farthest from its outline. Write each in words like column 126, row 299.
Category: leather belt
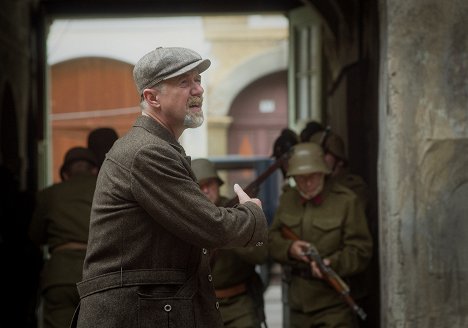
column 231, row 291
column 71, row 245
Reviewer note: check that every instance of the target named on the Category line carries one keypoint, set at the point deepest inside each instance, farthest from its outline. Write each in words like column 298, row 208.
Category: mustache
column 195, row 101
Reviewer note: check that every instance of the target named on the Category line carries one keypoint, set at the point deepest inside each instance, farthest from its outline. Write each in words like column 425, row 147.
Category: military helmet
column 100, row 141
column 311, row 128
column 204, row 169
column 76, row 154
column 306, row 158
column 331, row 143
column 79, row 154
column 287, row 139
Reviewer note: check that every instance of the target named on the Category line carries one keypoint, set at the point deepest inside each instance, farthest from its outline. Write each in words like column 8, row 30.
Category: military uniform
column 238, row 286
column 62, row 216
column 335, row 224
column 356, row 184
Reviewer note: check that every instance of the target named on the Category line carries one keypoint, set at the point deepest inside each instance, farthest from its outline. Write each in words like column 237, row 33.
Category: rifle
column 252, row 188
column 330, row 276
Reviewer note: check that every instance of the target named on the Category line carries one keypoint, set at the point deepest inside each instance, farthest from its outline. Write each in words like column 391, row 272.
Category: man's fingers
column 243, row 197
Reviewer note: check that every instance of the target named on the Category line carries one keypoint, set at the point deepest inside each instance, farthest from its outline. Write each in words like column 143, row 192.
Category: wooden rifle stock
column 330, row 276
column 252, row 188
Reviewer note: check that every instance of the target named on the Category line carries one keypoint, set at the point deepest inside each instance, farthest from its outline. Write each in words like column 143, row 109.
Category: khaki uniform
column 61, row 216
column 335, row 224
column 233, row 268
column 356, row 184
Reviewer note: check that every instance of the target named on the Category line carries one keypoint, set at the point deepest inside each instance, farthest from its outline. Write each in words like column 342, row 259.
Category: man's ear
column 151, row 96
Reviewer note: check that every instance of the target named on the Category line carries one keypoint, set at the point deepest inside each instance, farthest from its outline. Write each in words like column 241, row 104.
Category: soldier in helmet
column 100, row 141
column 327, row 216
column 60, row 223
column 238, row 287
column 286, row 140
column 336, row 159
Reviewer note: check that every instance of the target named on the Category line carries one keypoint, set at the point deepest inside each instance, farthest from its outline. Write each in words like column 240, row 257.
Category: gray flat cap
column 164, row 63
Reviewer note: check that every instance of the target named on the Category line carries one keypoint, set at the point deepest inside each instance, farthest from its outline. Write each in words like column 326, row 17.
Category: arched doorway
column 259, row 113
column 88, row 93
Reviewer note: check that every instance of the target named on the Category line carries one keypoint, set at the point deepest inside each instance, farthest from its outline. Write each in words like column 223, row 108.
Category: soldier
column 238, row 287
column 100, row 141
column 311, row 128
column 286, row 140
column 327, row 216
column 336, row 160
column 61, row 222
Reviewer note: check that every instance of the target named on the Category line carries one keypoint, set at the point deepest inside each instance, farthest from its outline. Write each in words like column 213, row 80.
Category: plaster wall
column 423, row 156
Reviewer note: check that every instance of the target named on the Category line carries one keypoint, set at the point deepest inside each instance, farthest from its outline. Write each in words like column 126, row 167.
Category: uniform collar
column 317, row 200
column 320, row 198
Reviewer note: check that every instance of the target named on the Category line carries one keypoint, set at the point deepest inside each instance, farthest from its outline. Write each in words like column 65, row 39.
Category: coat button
column 217, row 305
column 260, row 243
column 167, row 307
column 205, row 251
column 210, row 277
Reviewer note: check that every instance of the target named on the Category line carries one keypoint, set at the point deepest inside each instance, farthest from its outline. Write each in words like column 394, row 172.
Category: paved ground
column 272, row 298
column 273, row 306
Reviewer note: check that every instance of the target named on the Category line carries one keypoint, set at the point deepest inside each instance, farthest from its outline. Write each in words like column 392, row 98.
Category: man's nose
column 197, row 89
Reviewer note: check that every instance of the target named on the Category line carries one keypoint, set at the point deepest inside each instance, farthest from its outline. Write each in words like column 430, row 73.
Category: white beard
column 193, row 120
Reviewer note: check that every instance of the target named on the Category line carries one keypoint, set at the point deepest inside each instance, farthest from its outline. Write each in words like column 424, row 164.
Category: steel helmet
column 331, row 143
column 77, row 154
column 204, row 169
column 306, row 158
column 284, row 142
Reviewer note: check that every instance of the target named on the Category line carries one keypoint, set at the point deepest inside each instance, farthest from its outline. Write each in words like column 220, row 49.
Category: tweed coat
column 151, row 234
column 336, row 226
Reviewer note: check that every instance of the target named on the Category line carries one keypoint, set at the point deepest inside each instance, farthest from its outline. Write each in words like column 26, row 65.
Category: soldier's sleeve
column 356, row 252
column 278, row 246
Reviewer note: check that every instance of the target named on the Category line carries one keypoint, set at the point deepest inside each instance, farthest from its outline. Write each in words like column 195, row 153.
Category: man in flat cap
column 152, row 229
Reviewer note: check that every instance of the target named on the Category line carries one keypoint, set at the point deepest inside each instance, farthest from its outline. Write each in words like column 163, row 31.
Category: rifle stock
column 252, row 188
column 330, row 276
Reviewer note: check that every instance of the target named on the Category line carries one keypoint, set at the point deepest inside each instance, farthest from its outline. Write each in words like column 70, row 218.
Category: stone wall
column 423, row 161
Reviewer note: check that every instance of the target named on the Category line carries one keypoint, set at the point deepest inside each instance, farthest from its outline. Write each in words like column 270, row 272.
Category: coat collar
column 157, row 129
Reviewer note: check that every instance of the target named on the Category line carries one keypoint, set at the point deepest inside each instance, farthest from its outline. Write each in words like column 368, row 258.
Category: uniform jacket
column 336, row 226
column 233, row 266
column 62, row 215
column 356, row 184
column 151, row 232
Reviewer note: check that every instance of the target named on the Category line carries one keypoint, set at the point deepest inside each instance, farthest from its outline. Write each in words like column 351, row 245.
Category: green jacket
column 62, row 215
column 336, row 227
column 233, row 266
column 356, row 184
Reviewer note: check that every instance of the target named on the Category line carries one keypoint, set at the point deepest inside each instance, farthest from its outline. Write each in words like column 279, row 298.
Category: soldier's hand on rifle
column 298, row 250
column 243, row 197
column 315, row 268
